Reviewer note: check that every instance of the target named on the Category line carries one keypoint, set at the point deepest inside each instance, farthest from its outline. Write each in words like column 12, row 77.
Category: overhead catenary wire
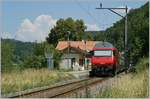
column 87, row 12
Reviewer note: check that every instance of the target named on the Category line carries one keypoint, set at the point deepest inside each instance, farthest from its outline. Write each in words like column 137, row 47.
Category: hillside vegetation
column 18, row 55
column 14, row 53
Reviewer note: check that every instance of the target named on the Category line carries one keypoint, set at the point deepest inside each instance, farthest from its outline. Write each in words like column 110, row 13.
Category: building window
column 81, row 61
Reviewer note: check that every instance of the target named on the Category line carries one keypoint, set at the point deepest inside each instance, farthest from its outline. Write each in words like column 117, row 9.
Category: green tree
column 37, row 59
column 100, row 36
column 66, row 28
column 34, row 61
column 7, row 49
column 136, row 49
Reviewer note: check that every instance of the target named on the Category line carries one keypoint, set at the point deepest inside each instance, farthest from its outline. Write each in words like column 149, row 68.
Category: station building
column 74, row 54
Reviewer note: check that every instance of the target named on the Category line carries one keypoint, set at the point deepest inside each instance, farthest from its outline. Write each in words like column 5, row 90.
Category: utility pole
column 68, row 47
column 126, row 27
column 85, row 59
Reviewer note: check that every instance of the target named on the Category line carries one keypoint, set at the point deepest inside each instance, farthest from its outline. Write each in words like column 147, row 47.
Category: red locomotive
column 104, row 59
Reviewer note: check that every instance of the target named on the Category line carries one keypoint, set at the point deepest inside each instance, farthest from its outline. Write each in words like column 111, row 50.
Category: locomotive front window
column 103, row 53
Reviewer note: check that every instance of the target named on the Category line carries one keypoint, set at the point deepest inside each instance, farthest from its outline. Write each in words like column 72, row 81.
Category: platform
column 80, row 74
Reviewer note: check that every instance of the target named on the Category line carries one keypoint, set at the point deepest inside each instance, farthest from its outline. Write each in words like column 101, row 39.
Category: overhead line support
column 126, row 27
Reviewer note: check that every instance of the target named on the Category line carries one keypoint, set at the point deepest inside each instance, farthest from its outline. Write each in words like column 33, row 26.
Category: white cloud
column 92, row 27
column 36, row 30
column 6, row 35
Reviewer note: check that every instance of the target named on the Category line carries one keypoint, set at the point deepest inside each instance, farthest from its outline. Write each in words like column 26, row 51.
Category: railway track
column 58, row 90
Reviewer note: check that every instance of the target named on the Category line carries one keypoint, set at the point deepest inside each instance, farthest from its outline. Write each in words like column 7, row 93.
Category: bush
column 35, row 62
column 143, row 64
column 57, row 59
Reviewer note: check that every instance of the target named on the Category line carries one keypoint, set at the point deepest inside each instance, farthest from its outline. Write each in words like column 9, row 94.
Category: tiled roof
column 75, row 44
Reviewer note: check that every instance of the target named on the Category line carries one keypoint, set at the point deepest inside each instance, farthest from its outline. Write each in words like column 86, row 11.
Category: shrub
column 143, row 64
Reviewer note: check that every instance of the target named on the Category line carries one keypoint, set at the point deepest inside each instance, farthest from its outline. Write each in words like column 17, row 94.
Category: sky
column 31, row 20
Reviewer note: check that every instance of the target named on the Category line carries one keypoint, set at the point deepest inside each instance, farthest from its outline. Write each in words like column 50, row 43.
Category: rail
column 55, row 91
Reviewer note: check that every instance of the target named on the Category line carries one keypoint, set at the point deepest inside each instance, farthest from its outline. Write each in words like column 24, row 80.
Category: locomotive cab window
column 103, row 53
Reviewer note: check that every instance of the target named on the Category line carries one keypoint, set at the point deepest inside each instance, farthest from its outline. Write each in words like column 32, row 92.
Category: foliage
column 14, row 53
column 17, row 55
column 136, row 50
column 38, row 59
column 142, row 65
column 57, row 58
column 21, row 49
column 7, row 49
column 35, row 62
column 100, row 36
column 31, row 78
column 66, row 28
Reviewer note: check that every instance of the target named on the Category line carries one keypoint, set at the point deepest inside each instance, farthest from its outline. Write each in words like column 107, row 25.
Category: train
column 105, row 60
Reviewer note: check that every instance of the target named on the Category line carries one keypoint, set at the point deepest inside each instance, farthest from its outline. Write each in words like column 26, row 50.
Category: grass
column 128, row 87
column 31, row 78
column 133, row 85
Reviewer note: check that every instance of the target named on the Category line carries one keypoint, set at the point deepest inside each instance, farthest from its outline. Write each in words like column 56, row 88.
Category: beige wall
column 64, row 60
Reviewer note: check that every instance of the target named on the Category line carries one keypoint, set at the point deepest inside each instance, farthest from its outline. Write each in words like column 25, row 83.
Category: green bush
column 143, row 64
column 57, row 59
column 35, row 62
